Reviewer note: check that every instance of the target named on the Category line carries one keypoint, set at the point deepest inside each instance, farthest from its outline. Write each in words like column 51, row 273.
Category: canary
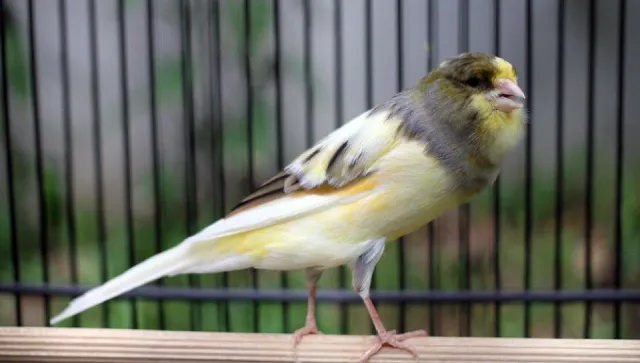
column 385, row 173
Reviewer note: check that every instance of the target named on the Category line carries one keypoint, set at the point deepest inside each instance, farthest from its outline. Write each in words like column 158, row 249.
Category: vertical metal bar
column 249, row 110
column 465, row 276
column 37, row 133
column 431, row 235
column 216, row 107
column 368, row 46
column 617, row 280
column 155, row 145
column 279, row 131
column 496, row 196
column 589, row 161
column 249, row 89
column 124, row 83
column 68, row 147
column 337, row 34
column 465, row 210
column 463, row 26
column 97, row 143
column 432, row 59
column 528, row 182
column 559, row 195
column 369, row 82
column 13, row 227
column 190, row 152
column 308, row 72
column 399, row 87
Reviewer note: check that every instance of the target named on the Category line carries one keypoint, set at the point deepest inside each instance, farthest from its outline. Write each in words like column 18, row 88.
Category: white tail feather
column 181, row 259
column 163, row 264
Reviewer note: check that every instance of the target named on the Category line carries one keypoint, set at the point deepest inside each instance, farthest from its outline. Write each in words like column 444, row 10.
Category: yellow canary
column 384, row 174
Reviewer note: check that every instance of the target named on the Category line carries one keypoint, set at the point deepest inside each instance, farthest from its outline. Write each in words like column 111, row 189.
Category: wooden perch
column 124, row 346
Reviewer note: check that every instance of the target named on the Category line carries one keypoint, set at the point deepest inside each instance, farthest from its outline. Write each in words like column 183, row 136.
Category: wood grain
column 124, row 346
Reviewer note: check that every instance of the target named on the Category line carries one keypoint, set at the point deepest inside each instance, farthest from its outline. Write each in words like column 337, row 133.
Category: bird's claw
column 308, row 329
column 390, row 338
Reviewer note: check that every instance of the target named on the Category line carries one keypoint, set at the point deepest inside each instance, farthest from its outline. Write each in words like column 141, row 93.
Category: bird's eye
column 473, row 81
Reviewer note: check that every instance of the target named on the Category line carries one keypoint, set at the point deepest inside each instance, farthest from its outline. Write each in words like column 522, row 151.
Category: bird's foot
column 390, row 338
column 309, row 329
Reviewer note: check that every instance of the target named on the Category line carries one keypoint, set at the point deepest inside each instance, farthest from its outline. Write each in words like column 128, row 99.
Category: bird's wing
column 331, row 173
column 314, row 181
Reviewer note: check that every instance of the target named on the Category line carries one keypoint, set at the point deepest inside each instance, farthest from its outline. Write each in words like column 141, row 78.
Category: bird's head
column 489, row 82
column 478, row 95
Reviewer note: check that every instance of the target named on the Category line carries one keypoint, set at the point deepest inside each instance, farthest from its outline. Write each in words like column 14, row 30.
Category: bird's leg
column 310, row 327
column 362, row 269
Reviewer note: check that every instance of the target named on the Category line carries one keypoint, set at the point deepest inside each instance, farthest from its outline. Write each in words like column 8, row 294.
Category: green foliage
column 260, row 21
column 169, row 79
column 631, row 228
column 131, row 3
column 17, row 65
column 53, row 194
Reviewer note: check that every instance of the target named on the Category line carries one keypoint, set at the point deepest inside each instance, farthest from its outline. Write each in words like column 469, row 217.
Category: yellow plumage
column 382, row 175
column 340, row 232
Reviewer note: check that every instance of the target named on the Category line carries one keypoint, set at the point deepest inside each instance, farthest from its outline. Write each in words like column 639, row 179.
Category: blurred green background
column 232, row 128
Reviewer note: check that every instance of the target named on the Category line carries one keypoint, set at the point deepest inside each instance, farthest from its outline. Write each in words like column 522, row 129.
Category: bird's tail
column 163, row 264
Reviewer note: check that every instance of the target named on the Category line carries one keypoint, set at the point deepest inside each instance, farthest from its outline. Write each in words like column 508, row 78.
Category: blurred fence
column 128, row 125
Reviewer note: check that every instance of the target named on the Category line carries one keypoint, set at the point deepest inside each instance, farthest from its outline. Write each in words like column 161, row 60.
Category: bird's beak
column 509, row 96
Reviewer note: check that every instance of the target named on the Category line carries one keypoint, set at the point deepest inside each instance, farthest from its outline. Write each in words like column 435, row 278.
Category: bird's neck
column 509, row 131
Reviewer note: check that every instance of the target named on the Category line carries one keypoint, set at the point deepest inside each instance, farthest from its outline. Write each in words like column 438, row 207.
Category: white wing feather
column 352, row 151
column 278, row 211
column 368, row 137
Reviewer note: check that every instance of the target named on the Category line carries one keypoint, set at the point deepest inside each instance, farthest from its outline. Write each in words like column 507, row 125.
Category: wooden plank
column 124, row 346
